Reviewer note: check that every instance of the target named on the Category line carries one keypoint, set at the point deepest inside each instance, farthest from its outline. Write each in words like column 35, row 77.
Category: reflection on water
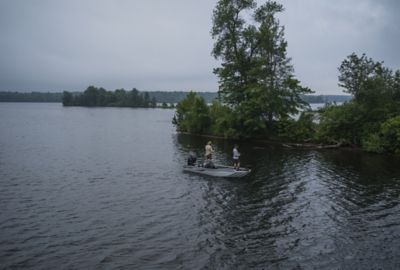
column 88, row 188
column 304, row 209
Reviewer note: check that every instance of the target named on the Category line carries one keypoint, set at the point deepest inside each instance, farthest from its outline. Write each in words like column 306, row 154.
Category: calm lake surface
column 103, row 188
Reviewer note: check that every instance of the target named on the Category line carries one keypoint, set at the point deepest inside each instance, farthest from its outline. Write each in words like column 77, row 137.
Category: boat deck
column 218, row 171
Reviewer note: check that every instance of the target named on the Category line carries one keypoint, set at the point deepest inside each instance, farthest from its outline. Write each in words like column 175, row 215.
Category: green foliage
column 390, row 132
column 222, row 119
column 250, row 121
column 192, row 115
column 301, row 130
column 226, row 122
column 376, row 91
column 387, row 139
column 373, row 143
column 340, row 123
column 94, row 96
column 372, row 85
column 67, row 98
column 256, row 77
column 354, row 72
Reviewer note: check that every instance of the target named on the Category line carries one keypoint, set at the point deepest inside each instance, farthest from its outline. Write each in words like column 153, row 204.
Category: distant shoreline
column 161, row 96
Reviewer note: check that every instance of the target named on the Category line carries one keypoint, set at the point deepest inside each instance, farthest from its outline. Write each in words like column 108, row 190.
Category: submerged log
column 313, row 146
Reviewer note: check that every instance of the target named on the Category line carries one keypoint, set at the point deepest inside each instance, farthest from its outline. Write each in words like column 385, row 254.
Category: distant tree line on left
column 30, row 97
column 100, row 97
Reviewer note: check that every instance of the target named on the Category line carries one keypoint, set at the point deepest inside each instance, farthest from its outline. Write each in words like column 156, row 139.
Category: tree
column 372, row 85
column 89, row 97
column 390, row 135
column 192, row 115
column 135, row 98
column 146, row 99
column 94, row 96
column 223, row 120
column 357, row 74
column 101, row 97
column 234, row 46
column 153, row 102
column 344, row 122
column 67, row 99
column 255, row 76
column 376, row 92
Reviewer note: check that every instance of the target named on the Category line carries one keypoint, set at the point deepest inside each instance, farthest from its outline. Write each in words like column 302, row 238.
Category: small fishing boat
column 218, row 171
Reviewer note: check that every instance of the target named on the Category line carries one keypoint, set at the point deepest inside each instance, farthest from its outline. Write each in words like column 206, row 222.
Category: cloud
column 71, row 44
column 51, row 45
column 321, row 34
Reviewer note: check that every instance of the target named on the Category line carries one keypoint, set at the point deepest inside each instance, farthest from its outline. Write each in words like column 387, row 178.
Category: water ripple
column 78, row 192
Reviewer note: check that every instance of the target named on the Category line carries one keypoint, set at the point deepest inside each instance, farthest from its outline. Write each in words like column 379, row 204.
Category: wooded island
column 259, row 93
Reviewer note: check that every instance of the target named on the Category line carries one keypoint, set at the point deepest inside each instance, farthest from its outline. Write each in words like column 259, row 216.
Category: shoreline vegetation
column 280, row 141
column 259, row 93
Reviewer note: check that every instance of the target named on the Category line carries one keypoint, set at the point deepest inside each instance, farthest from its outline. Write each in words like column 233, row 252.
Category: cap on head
column 209, row 142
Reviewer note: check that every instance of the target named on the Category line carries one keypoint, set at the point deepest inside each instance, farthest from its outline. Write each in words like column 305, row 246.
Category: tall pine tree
column 255, row 76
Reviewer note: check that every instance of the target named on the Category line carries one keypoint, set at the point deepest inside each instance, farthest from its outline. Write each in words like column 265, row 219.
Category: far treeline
column 260, row 93
column 169, row 97
column 209, row 97
column 100, row 97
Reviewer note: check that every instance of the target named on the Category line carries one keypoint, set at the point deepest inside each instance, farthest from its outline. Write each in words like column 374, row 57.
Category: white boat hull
column 218, row 171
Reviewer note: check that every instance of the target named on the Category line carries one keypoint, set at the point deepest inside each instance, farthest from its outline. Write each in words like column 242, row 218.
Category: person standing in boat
column 209, row 151
column 208, row 156
column 236, row 157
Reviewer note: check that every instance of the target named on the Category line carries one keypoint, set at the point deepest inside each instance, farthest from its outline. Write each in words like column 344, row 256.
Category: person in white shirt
column 236, row 156
column 209, row 150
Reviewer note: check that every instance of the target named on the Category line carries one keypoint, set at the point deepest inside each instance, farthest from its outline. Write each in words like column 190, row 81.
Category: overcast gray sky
column 54, row 45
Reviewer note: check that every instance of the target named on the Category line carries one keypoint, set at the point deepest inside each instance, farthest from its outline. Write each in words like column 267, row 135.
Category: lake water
column 103, row 188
